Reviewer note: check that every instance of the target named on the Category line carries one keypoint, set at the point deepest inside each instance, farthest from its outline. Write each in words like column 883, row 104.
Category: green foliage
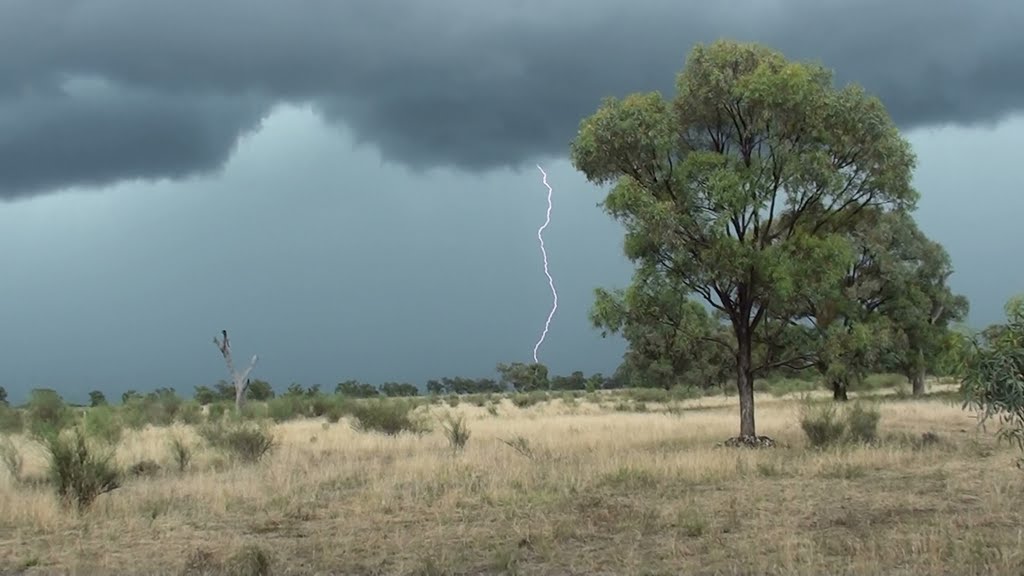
column 242, row 441
column 456, row 430
column 104, row 424
column 157, row 408
column 97, row 398
column 259, row 391
column 398, row 390
column 822, row 424
column 204, row 395
column 862, row 423
column 217, row 410
column 743, row 190
column 47, row 414
column 673, row 341
column 993, row 380
column 825, row 424
column 286, row 407
column 3, row 397
column 523, row 377
column 355, row 389
column 11, row 420
column 190, row 412
column 460, row 385
column 80, row 472
column 391, row 417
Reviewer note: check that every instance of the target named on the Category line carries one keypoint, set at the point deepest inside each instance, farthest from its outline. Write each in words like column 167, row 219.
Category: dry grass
column 602, row 492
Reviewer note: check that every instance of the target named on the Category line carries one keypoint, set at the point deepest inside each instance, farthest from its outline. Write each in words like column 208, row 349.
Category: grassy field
column 554, row 488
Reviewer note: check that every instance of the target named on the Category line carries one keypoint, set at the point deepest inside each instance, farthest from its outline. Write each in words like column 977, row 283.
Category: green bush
column 215, row 412
column 245, row 442
column 79, row 472
column 862, row 423
column 825, row 425
column 11, row 421
column 390, row 417
column 103, row 424
column 284, row 408
column 47, row 414
column 822, row 424
column 190, row 413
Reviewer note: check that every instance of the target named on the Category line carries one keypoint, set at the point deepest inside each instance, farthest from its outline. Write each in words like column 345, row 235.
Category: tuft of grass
column 457, row 431
column 249, row 560
column 79, row 472
column 11, row 457
column 181, row 452
column 692, row 523
column 520, row 444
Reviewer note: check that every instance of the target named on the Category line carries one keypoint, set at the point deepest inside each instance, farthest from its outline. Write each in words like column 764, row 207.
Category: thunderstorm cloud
column 94, row 92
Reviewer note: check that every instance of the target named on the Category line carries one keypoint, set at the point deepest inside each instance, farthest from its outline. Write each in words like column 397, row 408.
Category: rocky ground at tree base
column 750, row 442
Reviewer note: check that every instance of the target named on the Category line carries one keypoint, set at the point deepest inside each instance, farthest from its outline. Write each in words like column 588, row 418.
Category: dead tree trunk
column 239, row 379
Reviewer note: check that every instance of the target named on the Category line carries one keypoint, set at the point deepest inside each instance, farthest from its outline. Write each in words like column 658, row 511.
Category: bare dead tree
column 239, row 379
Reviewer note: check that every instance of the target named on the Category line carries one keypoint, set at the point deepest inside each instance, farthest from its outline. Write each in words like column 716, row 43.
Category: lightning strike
column 544, row 254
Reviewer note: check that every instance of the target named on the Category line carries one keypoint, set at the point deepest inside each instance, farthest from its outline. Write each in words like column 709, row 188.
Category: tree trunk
column 917, row 378
column 839, row 388
column 745, row 382
column 240, row 389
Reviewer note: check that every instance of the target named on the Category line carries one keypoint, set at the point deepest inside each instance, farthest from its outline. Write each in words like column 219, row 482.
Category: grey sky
column 156, row 199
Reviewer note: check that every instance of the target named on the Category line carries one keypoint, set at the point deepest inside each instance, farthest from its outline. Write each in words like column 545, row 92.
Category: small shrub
column 103, row 424
column 391, row 417
column 284, row 408
column 822, row 424
column 181, row 452
column 825, row 425
column 78, row 473
column 47, row 414
column 456, row 431
column 862, row 423
column 245, row 442
column 216, row 411
column 253, row 411
column 492, row 409
column 11, row 421
column 11, row 457
column 190, row 413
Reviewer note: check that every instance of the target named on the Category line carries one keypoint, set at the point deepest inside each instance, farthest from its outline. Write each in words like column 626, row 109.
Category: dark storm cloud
column 459, row 82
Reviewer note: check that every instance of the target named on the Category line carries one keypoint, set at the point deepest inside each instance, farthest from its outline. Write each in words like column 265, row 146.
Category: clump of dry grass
column 604, row 492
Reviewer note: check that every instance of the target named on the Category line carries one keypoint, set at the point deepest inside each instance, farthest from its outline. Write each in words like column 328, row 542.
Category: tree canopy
column 744, row 189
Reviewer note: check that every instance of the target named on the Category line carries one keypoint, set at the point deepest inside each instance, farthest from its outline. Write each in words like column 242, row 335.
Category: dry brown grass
column 604, row 492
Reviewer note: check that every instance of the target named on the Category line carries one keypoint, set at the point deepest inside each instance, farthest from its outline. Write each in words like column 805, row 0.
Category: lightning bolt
column 544, row 254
